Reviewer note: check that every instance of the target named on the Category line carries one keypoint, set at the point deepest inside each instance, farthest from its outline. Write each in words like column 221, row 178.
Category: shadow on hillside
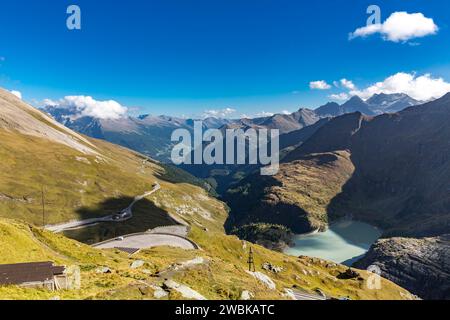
column 250, row 204
column 145, row 216
column 350, row 203
column 358, row 198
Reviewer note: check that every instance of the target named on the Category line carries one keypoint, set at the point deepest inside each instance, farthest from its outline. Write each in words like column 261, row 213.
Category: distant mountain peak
column 390, row 103
column 355, row 99
column 331, row 104
column 330, row 109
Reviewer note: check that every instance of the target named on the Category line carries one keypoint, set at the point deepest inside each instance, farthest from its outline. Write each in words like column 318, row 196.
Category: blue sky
column 186, row 56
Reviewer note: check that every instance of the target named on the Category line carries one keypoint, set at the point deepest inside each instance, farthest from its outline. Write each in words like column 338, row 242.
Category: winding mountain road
column 173, row 236
column 124, row 215
column 146, row 240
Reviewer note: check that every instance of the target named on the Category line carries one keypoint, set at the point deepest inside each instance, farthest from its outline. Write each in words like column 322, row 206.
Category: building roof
column 16, row 274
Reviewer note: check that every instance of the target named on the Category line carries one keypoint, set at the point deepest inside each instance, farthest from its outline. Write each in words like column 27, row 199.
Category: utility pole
column 251, row 261
column 43, row 206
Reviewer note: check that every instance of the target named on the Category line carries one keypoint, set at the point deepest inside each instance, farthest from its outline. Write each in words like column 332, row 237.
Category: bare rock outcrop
column 420, row 265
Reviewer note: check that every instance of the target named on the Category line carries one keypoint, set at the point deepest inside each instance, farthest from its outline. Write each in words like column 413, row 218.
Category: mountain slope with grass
column 399, row 180
column 81, row 177
column 216, row 272
column 296, row 197
column 392, row 171
column 84, row 178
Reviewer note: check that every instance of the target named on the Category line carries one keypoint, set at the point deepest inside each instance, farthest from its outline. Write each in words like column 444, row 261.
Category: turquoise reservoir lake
column 344, row 242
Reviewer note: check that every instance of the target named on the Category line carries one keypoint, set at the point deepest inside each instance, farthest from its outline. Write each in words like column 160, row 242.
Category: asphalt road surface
column 147, row 240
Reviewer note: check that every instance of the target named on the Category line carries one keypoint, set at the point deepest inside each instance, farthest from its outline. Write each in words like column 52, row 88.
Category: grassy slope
column 74, row 189
column 297, row 197
column 123, row 173
column 223, row 277
column 80, row 186
column 311, row 187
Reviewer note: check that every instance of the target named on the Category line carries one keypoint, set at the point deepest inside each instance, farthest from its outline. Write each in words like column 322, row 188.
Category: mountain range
column 375, row 105
column 383, row 161
column 391, row 170
column 151, row 135
column 51, row 174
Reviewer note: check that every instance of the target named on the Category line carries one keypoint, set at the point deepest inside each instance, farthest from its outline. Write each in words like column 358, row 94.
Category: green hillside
column 85, row 178
column 222, row 275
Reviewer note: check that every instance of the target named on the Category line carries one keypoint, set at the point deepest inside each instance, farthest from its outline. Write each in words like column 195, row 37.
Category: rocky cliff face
column 419, row 265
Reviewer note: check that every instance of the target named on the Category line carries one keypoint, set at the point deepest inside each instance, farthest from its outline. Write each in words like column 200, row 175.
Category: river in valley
column 344, row 242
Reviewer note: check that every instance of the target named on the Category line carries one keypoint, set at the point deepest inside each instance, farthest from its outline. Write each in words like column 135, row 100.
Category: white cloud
column 319, row 85
column 400, row 27
column 340, row 96
column 50, row 103
column 348, row 84
column 422, row 88
column 263, row 114
column 87, row 106
column 221, row 113
column 18, row 94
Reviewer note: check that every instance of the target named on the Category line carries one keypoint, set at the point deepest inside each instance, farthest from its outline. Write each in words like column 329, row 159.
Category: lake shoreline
column 343, row 241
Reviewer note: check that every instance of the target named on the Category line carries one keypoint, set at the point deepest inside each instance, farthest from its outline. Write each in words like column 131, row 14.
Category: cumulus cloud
column 263, row 114
column 400, row 27
column 18, row 94
column 88, row 106
column 423, row 88
column 50, row 103
column 319, row 85
column 220, row 113
column 340, row 96
column 347, row 84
